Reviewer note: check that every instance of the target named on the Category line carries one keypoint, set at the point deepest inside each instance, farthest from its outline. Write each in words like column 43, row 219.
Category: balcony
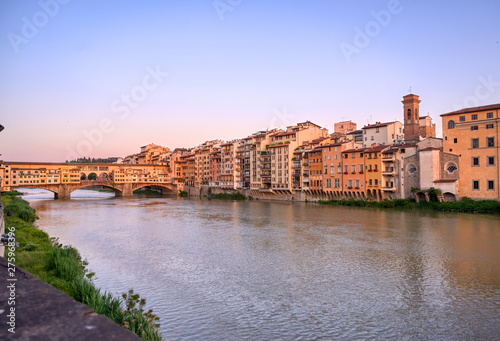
column 389, row 189
column 389, row 172
column 389, row 158
column 296, row 165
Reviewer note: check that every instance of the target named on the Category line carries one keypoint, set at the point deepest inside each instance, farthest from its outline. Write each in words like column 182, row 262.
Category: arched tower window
column 451, row 124
column 409, row 113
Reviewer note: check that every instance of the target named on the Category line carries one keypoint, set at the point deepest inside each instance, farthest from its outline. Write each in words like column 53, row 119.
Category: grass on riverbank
column 62, row 267
column 465, row 205
column 227, row 196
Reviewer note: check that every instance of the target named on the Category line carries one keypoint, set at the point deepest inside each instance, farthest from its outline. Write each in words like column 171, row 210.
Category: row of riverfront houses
column 381, row 160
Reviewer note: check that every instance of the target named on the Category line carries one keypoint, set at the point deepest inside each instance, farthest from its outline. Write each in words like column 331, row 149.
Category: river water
column 254, row 270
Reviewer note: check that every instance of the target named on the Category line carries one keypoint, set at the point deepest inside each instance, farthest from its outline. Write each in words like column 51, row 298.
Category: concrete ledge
column 42, row 312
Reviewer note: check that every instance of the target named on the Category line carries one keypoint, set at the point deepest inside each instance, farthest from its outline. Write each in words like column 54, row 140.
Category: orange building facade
column 473, row 134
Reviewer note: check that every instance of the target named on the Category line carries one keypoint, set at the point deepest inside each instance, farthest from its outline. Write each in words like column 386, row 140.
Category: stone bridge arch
column 106, row 184
column 164, row 188
column 41, row 186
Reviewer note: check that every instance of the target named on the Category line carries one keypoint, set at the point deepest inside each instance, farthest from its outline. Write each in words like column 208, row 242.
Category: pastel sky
column 102, row 78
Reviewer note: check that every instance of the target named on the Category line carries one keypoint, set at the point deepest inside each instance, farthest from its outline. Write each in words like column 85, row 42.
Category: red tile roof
column 430, row 148
column 378, row 125
column 473, row 109
column 332, row 145
column 284, row 134
column 360, row 150
column 375, row 149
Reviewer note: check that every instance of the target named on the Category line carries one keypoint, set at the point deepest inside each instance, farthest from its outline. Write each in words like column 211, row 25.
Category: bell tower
column 411, row 118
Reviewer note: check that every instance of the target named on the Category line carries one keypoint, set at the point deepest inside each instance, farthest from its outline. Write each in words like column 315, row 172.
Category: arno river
column 254, row 270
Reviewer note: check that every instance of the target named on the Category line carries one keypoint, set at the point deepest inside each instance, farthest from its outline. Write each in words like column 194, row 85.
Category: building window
column 451, row 168
column 370, row 182
column 372, row 138
column 475, row 161
column 475, row 143
column 357, row 183
column 474, row 117
column 376, row 182
column 474, row 128
column 491, row 161
column 491, row 185
column 455, row 140
column 489, row 126
column 490, row 141
column 451, row 124
column 489, row 115
column 475, row 185
column 337, row 183
column 462, row 118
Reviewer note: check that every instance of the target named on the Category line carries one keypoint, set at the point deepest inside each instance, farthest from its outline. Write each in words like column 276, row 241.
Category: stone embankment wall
column 283, row 196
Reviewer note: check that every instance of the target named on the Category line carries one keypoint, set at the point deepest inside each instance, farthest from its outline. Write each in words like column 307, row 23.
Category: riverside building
column 473, row 135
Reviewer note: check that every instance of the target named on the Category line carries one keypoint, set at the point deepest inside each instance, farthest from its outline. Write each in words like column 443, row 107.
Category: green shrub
column 227, row 196
column 465, row 205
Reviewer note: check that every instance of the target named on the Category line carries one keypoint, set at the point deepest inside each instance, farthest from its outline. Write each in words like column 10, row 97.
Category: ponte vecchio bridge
column 64, row 178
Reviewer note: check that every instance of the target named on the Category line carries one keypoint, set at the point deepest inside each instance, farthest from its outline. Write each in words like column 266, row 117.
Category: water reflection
column 255, row 270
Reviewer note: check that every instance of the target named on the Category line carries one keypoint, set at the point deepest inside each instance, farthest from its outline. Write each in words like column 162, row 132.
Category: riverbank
column 63, row 268
column 230, row 196
column 466, row 205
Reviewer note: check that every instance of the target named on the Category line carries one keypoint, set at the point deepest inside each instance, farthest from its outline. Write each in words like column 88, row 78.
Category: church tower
column 411, row 118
